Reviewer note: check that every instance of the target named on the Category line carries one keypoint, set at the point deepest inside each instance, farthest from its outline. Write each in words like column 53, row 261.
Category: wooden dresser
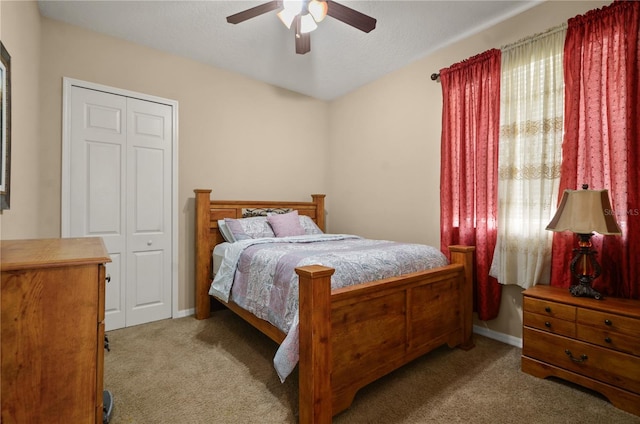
column 593, row 343
column 52, row 330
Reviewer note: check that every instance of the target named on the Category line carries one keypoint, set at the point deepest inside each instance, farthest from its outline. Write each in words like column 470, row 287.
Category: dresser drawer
column 550, row 309
column 609, row 339
column 610, row 322
column 550, row 324
column 616, row 368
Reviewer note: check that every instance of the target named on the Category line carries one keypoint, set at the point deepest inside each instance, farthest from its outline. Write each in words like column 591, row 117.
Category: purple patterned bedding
column 259, row 276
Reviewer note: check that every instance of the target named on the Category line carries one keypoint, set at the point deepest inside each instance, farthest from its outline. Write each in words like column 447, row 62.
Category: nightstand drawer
column 609, row 339
column 551, row 309
column 550, row 324
column 616, row 368
column 610, row 322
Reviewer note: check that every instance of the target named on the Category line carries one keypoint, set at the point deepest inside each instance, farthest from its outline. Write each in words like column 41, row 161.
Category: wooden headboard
column 208, row 212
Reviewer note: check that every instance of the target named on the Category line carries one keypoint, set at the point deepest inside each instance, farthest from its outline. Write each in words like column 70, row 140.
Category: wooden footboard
column 351, row 336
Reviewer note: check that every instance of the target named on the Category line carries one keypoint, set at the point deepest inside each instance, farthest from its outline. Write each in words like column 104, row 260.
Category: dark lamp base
column 584, row 290
column 585, row 269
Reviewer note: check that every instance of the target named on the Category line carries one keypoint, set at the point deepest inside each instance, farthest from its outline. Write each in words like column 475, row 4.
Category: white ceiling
column 341, row 59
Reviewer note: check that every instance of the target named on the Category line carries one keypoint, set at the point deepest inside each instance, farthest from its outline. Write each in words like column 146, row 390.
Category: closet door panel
column 97, row 193
column 149, row 147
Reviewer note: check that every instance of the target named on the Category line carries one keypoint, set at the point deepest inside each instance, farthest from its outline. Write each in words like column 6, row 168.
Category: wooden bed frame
column 351, row 336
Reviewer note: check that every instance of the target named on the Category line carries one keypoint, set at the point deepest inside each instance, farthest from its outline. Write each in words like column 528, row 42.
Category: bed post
column 318, row 199
column 315, row 344
column 464, row 255
column 202, row 253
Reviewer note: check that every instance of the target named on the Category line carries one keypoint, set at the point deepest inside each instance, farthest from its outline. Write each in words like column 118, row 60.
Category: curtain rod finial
column 435, row 77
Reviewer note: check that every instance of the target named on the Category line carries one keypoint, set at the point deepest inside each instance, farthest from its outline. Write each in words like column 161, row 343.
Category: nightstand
column 593, row 343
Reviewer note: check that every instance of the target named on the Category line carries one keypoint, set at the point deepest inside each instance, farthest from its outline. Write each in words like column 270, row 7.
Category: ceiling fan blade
column 253, row 12
column 350, row 17
column 303, row 41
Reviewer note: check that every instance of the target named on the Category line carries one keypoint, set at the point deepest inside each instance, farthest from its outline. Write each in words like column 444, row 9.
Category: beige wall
column 377, row 156
column 384, row 146
column 21, row 37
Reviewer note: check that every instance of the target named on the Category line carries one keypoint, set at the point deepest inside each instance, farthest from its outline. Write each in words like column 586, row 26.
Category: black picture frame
column 5, row 125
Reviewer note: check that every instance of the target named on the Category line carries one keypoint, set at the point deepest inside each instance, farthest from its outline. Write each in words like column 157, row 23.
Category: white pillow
column 249, row 228
column 225, row 231
column 309, row 225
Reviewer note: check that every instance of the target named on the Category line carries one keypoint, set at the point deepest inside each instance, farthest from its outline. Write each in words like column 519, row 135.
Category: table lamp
column 585, row 212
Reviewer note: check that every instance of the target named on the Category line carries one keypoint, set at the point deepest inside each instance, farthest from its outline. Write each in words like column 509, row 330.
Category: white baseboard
column 501, row 337
column 185, row 313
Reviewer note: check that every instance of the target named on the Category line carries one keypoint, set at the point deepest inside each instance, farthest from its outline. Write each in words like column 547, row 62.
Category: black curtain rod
column 435, row 77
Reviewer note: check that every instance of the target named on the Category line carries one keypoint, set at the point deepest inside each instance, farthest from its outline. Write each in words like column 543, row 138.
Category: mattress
column 218, row 255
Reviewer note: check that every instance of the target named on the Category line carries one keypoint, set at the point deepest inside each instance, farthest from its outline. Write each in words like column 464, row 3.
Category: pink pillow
column 286, row 224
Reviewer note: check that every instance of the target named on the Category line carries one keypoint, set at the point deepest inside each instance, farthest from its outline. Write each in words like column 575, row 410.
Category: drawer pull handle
column 582, row 358
column 607, row 322
column 547, row 309
column 607, row 339
column 547, row 324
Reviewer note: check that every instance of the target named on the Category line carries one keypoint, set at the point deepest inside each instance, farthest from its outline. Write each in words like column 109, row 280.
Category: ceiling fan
column 303, row 15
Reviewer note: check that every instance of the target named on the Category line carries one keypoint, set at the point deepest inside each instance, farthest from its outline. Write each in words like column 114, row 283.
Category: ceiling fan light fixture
column 307, row 24
column 287, row 16
column 318, row 9
column 303, row 16
column 294, row 6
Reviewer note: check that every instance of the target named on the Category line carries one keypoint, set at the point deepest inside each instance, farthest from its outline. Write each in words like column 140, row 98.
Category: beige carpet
column 220, row 371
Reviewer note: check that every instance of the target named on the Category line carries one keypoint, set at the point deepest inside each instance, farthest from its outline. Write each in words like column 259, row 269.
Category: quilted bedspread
column 258, row 275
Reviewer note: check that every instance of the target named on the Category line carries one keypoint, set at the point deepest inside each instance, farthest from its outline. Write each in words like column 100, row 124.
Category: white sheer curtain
column 530, row 148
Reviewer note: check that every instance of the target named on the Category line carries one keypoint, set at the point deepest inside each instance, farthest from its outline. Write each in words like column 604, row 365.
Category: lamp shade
column 318, row 9
column 291, row 8
column 287, row 16
column 307, row 24
column 584, row 212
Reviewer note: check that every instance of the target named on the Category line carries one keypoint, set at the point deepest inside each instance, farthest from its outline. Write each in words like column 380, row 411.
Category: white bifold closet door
column 120, row 189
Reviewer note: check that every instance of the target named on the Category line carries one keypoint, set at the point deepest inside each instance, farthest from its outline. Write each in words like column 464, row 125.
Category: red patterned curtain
column 469, row 167
column 601, row 146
